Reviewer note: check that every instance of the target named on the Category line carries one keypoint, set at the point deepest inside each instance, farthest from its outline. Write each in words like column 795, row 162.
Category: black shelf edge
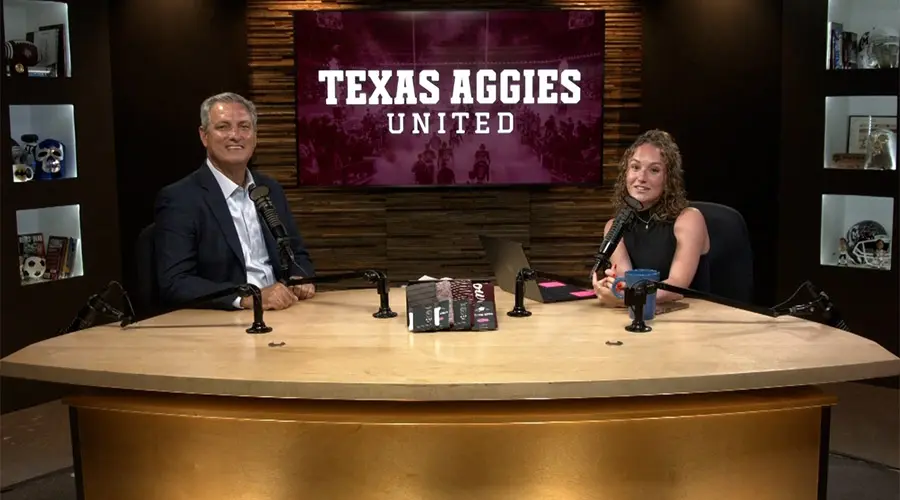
column 880, row 183
column 863, row 82
column 42, row 194
column 872, row 279
column 860, row 272
column 55, row 284
column 33, row 90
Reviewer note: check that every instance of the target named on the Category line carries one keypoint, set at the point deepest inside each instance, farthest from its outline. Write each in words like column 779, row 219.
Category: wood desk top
column 335, row 349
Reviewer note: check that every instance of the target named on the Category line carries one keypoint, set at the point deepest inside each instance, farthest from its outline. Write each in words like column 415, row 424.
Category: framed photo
column 51, row 43
column 860, row 126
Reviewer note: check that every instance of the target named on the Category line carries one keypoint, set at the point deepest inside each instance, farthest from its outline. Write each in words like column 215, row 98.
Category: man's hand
column 275, row 297
column 305, row 291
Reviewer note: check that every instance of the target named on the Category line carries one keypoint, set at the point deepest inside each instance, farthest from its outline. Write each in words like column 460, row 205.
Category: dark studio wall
column 867, row 299
column 712, row 78
column 39, row 311
column 167, row 56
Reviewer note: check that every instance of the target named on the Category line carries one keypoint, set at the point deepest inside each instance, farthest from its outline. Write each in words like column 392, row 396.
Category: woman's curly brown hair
column 674, row 198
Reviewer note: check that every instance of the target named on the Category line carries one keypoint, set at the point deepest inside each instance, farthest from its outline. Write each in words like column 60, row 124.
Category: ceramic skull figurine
column 51, row 159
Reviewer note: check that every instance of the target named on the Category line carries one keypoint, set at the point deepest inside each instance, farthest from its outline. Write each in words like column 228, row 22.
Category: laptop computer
column 508, row 257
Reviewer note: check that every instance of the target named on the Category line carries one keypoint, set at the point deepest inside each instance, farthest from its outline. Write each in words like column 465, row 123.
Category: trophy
column 879, row 48
column 881, row 147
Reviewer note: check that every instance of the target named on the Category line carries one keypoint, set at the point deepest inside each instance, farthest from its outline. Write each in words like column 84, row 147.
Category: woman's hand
column 603, row 289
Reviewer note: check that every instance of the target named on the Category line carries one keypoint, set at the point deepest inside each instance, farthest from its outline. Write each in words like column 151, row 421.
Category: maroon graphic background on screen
column 520, row 55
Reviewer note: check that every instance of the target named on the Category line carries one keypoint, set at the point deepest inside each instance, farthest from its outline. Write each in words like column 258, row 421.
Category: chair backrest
column 730, row 254
column 147, row 296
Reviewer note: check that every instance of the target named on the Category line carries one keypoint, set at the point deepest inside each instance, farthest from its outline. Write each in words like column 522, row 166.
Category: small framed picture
column 860, row 126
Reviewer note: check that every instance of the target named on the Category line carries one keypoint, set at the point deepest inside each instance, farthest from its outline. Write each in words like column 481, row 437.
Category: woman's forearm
column 666, row 296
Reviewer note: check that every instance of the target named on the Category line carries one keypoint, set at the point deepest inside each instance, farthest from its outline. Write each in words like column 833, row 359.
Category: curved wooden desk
column 713, row 403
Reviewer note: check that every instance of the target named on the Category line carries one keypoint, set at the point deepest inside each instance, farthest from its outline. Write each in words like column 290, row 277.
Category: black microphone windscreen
column 633, row 203
column 258, row 193
column 271, row 217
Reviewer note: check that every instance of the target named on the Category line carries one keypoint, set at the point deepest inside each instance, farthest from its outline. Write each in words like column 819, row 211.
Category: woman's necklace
column 646, row 221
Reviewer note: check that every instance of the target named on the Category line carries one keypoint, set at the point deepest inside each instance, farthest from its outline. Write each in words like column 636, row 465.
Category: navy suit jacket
column 197, row 248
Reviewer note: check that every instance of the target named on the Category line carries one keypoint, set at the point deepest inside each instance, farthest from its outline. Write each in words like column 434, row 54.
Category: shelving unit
column 855, row 231
column 849, row 122
column 49, row 243
column 861, row 109
column 39, row 32
column 44, row 138
column 60, row 241
column 840, row 215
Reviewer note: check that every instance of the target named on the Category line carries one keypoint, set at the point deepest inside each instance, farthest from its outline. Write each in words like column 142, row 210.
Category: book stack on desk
column 450, row 304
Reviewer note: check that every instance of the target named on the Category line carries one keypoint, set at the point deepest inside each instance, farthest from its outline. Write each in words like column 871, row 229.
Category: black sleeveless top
column 652, row 246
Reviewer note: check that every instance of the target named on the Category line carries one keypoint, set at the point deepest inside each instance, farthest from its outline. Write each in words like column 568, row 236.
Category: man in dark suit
column 209, row 235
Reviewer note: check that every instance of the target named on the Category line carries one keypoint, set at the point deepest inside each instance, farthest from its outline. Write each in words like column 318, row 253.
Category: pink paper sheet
column 551, row 284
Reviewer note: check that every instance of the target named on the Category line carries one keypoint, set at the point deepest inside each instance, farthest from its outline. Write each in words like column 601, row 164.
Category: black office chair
column 146, row 299
column 730, row 254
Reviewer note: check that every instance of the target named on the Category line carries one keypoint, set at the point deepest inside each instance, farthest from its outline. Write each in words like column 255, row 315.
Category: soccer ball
column 33, row 268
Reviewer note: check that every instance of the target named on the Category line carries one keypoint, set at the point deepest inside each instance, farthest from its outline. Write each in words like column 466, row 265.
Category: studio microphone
column 96, row 305
column 830, row 313
column 260, row 197
column 620, row 224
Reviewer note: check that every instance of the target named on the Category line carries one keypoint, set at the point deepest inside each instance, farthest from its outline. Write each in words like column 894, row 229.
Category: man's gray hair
column 225, row 97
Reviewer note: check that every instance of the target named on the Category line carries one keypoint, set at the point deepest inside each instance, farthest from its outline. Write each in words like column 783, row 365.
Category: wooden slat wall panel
column 436, row 232
column 410, row 232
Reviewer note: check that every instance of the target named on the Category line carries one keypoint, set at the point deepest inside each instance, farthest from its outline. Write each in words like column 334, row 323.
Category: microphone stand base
column 384, row 314
column 257, row 328
column 635, row 299
column 519, row 312
column 638, row 327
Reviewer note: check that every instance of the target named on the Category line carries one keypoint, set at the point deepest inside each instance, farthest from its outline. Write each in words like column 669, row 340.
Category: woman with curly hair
column 667, row 235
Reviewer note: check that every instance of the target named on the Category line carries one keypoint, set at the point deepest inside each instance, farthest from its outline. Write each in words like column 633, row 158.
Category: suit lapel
column 217, row 205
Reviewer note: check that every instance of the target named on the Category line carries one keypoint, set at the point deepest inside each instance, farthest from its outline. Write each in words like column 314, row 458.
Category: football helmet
column 862, row 241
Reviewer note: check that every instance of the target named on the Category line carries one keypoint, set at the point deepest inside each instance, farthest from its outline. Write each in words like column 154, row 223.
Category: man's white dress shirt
column 249, row 230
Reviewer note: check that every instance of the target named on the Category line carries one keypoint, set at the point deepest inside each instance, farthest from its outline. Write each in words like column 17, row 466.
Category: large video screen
column 449, row 97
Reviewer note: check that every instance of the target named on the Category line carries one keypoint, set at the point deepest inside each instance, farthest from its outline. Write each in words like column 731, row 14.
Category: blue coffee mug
column 631, row 278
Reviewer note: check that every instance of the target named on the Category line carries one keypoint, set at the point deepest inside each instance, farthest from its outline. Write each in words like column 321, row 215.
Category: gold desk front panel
column 761, row 445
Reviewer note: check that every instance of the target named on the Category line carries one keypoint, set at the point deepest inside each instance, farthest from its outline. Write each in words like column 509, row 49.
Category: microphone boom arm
column 97, row 304
column 370, row 275
column 636, row 296
column 243, row 290
column 287, row 259
column 821, row 303
column 528, row 274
